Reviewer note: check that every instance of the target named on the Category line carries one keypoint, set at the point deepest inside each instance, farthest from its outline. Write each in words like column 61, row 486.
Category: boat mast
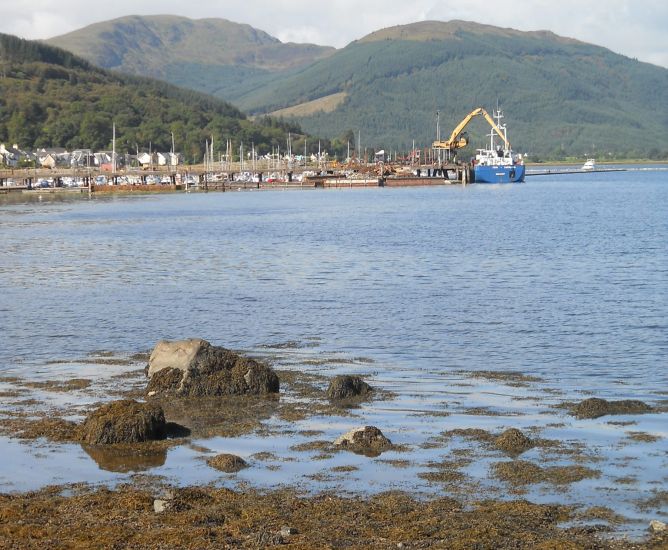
column 113, row 149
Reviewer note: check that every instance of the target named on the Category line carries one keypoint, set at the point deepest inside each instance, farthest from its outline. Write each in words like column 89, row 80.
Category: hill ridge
column 564, row 96
column 436, row 29
column 51, row 98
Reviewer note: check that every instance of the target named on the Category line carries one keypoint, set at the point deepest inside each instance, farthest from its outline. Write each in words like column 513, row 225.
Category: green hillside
column 214, row 56
column 50, row 97
column 560, row 96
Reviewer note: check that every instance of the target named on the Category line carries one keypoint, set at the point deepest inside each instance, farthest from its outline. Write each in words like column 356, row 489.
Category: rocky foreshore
column 191, row 389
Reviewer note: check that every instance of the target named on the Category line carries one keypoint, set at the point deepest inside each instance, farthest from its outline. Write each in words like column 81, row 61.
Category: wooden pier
column 196, row 178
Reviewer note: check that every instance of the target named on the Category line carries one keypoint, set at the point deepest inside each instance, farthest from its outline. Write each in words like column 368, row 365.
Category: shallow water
column 564, row 278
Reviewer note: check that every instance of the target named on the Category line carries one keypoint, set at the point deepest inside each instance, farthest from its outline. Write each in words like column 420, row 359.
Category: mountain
column 50, row 97
column 560, row 96
column 214, row 56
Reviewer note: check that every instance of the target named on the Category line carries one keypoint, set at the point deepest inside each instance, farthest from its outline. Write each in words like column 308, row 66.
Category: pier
column 198, row 178
column 574, row 171
column 202, row 178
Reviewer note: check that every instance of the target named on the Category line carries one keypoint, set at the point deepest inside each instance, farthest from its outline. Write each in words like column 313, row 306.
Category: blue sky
column 633, row 28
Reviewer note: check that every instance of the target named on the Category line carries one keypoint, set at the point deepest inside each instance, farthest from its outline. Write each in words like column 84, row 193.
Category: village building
column 52, row 157
column 12, row 156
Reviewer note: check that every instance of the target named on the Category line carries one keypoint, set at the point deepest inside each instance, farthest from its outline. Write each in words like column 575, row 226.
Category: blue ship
column 498, row 163
column 499, row 173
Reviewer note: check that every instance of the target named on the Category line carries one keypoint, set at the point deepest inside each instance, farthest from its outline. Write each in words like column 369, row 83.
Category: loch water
column 563, row 278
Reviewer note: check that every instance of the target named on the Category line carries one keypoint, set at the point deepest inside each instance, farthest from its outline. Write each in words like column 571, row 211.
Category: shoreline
column 206, row 517
column 457, row 509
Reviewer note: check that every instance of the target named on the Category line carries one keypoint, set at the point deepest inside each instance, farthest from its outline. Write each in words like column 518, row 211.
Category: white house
column 82, row 158
column 168, row 159
column 145, row 159
column 11, row 156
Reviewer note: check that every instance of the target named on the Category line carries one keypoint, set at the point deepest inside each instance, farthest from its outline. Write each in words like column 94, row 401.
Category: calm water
column 564, row 277
column 567, row 278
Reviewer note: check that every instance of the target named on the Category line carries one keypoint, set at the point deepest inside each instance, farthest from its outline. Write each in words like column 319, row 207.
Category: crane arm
column 457, row 141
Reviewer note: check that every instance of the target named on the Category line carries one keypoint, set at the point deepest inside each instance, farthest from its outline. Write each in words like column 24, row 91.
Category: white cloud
column 636, row 29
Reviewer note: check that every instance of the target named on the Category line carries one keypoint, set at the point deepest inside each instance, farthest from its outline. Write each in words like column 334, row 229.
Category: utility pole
column 113, row 150
column 438, row 134
column 171, row 159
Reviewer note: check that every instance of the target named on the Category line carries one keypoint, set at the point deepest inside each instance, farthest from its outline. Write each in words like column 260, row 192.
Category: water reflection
column 122, row 459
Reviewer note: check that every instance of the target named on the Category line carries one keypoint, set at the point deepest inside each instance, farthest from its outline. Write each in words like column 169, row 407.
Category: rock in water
column 657, row 526
column 513, row 442
column 368, row 440
column 595, row 407
column 342, row 387
column 124, row 421
column 195, row 368
column 227, row 463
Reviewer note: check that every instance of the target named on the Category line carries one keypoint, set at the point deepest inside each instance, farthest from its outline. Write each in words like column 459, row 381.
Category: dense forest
column 561, row 97
column 52, row 98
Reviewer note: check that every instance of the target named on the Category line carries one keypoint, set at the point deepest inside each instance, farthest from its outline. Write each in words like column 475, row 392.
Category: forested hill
column 560, row 96
column 52, row 98
column 215, row 56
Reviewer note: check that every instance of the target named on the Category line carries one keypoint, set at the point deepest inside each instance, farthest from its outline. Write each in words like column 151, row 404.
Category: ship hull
column 499, row 174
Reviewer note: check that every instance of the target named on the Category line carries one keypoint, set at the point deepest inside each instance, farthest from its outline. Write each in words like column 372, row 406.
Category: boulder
column 657, row 526
column 227, row 463
column 343, row 387
column 513, row 442
column 174, row 355
column 368, row 440
column 195, row 368
column 125, row 421
column 595, row 407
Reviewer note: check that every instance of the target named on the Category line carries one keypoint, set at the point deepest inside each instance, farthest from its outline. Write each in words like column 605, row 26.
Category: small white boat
column 589, row 165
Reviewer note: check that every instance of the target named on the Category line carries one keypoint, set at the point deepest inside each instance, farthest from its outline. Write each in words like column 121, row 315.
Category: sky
column 637, row 28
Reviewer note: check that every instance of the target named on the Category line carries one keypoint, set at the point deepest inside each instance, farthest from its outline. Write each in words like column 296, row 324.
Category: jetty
column 202, row 178
column 562, row 172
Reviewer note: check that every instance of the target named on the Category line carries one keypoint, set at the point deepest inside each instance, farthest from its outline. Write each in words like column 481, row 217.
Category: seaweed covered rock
column 513, row 442
column 344, row 387
column 595, row 407
column 227, row 463
column 125, row 421
column 195, row 368
column 368, row 440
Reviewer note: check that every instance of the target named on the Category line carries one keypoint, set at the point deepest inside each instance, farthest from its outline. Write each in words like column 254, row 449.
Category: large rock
column 657, row 526
column 368, row 440
column 227, row 463
column 125, row 421
column 343, row 387
column 513, row 442
column 195, row 368
column 595, row 407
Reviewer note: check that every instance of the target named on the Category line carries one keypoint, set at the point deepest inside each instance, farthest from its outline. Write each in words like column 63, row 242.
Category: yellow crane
column 459, row 141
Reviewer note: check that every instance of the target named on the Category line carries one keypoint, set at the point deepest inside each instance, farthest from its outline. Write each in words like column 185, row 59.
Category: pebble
column 287, row 531
column 160, row 506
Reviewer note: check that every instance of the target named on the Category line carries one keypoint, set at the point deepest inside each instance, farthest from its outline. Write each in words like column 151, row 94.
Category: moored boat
column 590, row 165
column 498, row 163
